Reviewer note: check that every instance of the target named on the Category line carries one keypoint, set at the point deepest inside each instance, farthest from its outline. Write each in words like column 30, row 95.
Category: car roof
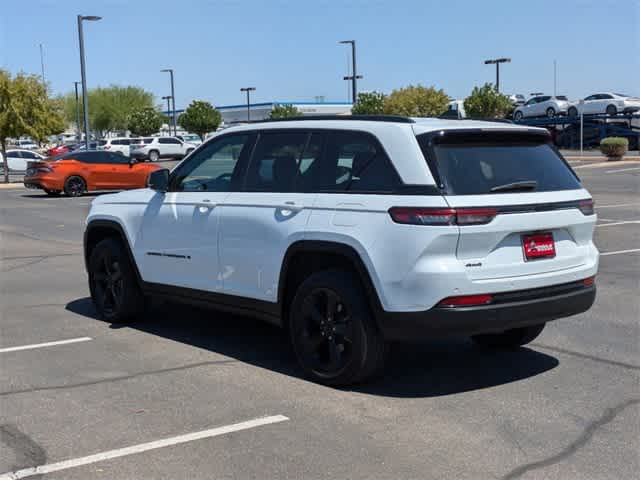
column 419, row 125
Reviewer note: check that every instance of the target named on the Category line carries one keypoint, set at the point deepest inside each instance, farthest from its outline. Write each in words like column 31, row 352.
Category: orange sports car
column 77, row 172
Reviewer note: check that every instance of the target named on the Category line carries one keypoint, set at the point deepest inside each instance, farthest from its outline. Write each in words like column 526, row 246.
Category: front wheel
column 334, row 336
column 508, row 339
column 112, row 282
column 154, row 156
column 517, row 116
column 572, row 112
column 611, row 110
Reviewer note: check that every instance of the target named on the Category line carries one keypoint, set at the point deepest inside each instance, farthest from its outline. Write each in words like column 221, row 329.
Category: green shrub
column 614, row 147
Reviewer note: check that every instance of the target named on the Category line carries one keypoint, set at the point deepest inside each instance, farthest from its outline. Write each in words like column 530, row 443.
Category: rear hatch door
column 537, row 217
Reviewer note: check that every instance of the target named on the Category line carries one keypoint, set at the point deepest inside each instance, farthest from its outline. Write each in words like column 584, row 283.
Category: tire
column 572, row 112
column 550, row 112
column 517, row 116
column 113, row 284
column 74, row 186
column 52, row 193
column 154, row 156
column 334, row 336
column 509, row 339
column 611, row 110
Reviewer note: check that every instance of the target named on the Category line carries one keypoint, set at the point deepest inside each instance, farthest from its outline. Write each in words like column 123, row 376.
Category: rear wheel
column 611, row 110
column 551, row 112
column 154, row 156
column 513, row 338
column 517, row 116
column 572, row 112
column 332, row 331
column 74, row 186
column 113, row 284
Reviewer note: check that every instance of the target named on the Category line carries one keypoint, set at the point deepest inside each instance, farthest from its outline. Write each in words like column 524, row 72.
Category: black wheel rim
column 326, row 334
column 108, row 284
column 75, row 186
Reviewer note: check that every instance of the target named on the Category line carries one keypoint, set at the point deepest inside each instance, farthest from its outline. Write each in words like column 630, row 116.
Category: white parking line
column 42, row 345
column 620, row 251
column 623, row 170
column 626, row 222
column 141, row 447
column 619, row 205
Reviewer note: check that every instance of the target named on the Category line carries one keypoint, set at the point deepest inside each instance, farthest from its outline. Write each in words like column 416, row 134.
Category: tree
column 369, row 103
column 487, row 102
column 284, row 111
column 416, row 101
column 200, row 118
column 26, row 109
column 110, row 108
column 145, row 121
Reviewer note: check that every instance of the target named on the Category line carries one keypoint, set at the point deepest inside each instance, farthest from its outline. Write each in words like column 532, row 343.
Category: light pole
column 497, row 62
column 42, row 62
column 168, row 99
column 354, row 77
column 79, row 133
column 248, row 89
column 173, row 100
column 85, row 96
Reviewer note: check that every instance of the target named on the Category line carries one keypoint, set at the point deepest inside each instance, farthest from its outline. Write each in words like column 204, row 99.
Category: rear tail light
column 466, row 301
column 442, row 216
column 586, row 207
column 106, row 147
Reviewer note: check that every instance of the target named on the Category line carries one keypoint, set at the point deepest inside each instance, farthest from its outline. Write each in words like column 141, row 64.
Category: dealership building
column 259, row 111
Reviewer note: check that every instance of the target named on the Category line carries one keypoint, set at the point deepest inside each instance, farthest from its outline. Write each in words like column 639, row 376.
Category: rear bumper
column 42, row 183
column 563, row 301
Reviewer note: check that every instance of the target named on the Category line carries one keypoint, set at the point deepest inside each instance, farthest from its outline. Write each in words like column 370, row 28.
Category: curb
column 8, row 186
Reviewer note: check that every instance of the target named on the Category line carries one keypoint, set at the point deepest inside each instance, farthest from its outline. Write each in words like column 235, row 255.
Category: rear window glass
column 561, row 97
column 475, row 164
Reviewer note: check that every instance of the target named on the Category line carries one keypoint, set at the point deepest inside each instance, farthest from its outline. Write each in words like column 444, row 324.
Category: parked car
column 93, row 145
column 190, row 138
column 609, row 103
column 77, row 172
column 26, row 144
column 517, row 99
column 354, row 232
column 17, row 159
column 116, row 145
column 62, row 149
column 545, row 105
column 161, row 147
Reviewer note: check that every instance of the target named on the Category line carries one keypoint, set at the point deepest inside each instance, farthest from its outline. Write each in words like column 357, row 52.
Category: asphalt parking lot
column 194, row 394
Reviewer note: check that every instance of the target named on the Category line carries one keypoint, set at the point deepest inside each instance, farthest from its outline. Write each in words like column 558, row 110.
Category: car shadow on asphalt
column 54, row 197
column 427, row 369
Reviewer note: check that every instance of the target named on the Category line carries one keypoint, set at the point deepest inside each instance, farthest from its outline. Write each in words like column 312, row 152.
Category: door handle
column 291, row 206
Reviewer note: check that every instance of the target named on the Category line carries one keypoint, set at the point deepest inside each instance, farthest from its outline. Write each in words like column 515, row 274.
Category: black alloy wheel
column 74, row 186
column 112, row 282
column 333, row 333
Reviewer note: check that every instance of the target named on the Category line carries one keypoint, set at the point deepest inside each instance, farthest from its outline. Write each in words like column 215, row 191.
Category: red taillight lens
column 466, row 301
column 586, row 207
column 587, row 282
column 442, row 216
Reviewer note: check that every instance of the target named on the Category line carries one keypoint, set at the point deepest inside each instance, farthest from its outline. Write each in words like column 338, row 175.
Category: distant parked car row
column 18, row 158
column 599, row 103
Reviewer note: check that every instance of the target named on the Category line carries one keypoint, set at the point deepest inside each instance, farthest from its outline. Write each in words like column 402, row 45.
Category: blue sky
column 288, row 49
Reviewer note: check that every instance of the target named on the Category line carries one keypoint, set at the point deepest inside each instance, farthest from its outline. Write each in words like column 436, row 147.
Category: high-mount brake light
column 442, row 216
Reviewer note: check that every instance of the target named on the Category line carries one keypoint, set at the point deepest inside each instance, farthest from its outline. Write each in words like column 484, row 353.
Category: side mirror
column 159, row 180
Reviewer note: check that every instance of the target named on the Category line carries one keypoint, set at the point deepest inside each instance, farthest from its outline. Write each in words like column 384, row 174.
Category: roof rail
column 371, row 118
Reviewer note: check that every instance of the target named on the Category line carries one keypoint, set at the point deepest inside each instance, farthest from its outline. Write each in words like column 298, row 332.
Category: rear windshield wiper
column 508, row 187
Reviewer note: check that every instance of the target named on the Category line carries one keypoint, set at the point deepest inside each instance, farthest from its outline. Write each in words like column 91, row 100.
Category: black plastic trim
column 443, row 322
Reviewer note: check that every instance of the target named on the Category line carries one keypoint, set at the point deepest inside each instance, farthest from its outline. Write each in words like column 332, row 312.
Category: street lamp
column 248, row 89
column 85, row 96
column 79, row 132
column 173, row 100
column 497, row 62
column 355, row 76
column 168, row 99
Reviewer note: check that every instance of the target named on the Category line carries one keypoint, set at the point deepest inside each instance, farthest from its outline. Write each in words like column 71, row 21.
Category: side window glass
column 355, row 162
column 211, row 168
column 274, row 164
column 118, row 159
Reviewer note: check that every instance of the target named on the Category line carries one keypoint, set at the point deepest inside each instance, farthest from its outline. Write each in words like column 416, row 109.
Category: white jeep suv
column 353, row 232
column 155, row 148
